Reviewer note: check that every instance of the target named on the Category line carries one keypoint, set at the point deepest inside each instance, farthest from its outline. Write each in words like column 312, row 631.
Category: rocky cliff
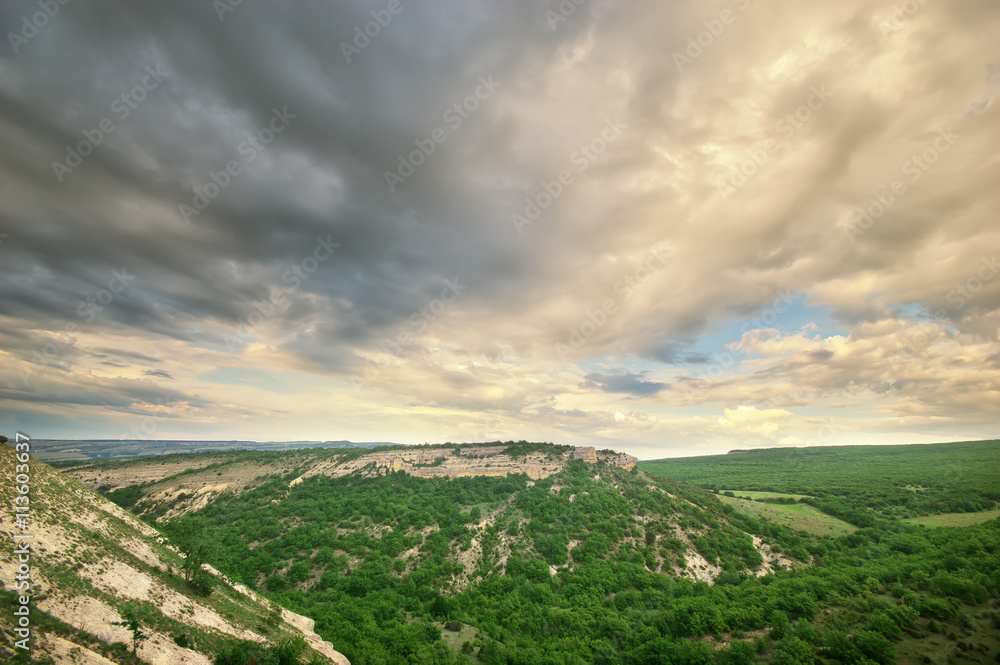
column 189, row 482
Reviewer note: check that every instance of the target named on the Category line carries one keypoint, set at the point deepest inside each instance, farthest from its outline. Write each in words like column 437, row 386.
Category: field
column 798, row 516
column 955, row 519
column 755, row 495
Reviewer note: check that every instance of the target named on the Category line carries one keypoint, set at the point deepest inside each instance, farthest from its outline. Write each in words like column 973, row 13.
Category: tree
column 793, row 651
column 131, row 620
column 740, row 653
column 876, row 647
column 881, row 623
column 196, row 545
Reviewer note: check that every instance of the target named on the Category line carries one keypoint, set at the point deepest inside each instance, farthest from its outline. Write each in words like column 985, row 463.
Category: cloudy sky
column 668, row 228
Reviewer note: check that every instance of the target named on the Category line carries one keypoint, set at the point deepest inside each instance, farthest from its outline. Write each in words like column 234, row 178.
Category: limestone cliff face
column 444, row 463
column 490, row 461
column 485, row 451
column 627, row 462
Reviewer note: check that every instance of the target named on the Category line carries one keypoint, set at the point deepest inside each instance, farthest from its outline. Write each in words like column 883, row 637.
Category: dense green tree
column 793, row 651
column 876, row 647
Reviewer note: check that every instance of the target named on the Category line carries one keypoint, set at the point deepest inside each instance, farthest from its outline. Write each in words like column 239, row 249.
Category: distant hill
column 856, row 483
column 61, row 450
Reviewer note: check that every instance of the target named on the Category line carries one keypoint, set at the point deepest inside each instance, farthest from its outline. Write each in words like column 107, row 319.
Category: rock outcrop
column 442, row 462
column 485, row 451
column 587, row 453
column 625, row 461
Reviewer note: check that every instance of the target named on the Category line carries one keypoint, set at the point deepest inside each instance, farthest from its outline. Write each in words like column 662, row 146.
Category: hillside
column 343, row 498
column 530, row 553
column 89, row 557
column 182, row 483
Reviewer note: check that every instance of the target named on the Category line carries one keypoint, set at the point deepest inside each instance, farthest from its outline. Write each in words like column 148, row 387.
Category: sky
column 666, row 228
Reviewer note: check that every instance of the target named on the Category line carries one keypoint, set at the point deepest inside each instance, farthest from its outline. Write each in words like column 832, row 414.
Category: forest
column 857, row 481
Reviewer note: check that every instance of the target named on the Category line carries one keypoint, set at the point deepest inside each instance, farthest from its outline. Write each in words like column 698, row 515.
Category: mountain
column 87, row 558
column 433, row 523
column 543, row 485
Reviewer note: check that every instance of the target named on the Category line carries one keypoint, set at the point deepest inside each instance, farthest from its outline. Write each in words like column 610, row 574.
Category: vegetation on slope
column 594, row 565
column 88, row 559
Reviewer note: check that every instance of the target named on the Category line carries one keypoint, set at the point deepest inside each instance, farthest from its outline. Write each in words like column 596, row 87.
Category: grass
column 955, row 519
column 455, row 639
column 977, row 643
column 753, row 494
column 798, row 516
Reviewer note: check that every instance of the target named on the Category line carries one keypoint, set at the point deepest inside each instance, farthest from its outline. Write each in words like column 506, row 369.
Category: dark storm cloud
column 126, row 354
column 625, row 382
column 218, row 82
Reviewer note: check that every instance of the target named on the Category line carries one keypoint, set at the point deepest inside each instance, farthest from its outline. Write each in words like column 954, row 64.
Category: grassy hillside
column 797, row 516
column 89, row 558
column 592, row 563
column 859, row 484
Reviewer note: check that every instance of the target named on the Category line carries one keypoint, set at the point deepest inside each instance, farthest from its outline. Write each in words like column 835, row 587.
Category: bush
column 880, row 623
column 287, row 652
column 793, row 651
column 740, row 653
column 936, row 608
column 203, row 582
column 876, row 647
